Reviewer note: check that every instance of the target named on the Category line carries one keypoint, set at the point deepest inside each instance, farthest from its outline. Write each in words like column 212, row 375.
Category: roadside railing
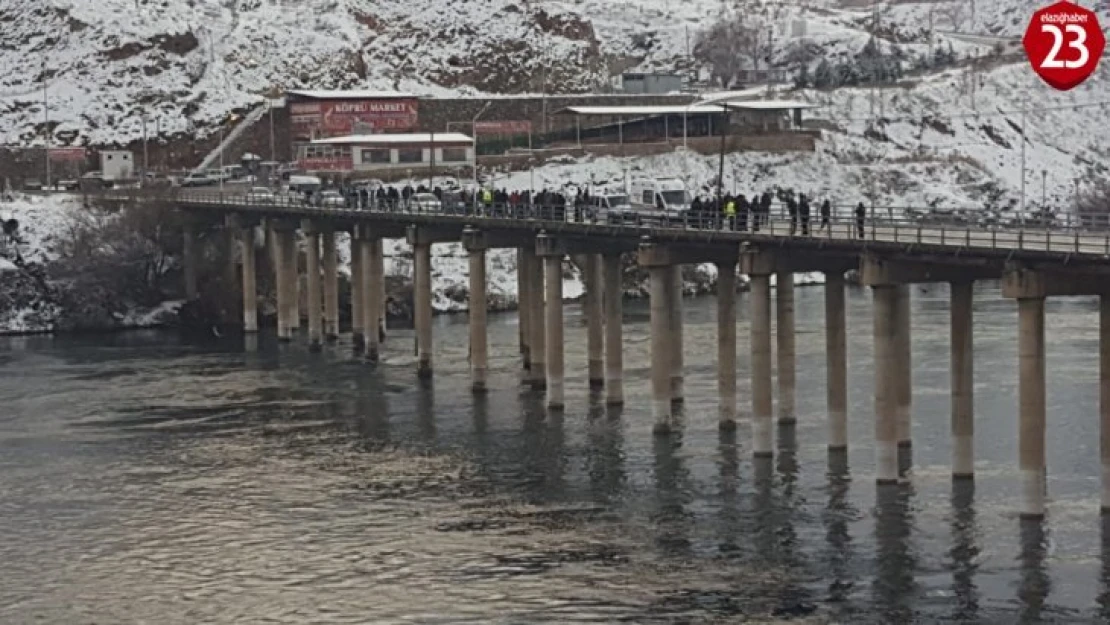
column 1067, row 233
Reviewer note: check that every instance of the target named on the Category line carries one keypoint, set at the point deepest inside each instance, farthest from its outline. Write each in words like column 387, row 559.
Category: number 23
column 1079, row 43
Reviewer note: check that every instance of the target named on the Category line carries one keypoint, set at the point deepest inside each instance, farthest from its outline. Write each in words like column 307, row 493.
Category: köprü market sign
column 342, row 117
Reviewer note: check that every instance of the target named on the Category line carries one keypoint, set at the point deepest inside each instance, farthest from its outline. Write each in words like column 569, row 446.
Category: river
column 149, row 477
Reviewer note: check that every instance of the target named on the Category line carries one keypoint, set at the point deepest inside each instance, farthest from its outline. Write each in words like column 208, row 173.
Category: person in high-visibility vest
column 487, row 200
column 730, row 213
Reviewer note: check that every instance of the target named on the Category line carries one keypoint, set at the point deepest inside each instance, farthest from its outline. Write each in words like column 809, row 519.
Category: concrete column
column 678, row 392
column 478, row 304
column 250, row 288
column 614, row 312
column 963, row 380
column 903, row 362
column 524, row 257
column 285, row 247
column 538, row 343
column 784, row 328
column 358, row 298
column 886, row 379
column 726, row 345
column 1104, row 396
column 277, row 247
column 836, row 361
column 594, row 321
column 231, row 268
column 554, row 325
column 189, row 261
column 379, row 259
column 315, row 297
column 1031, row 410
column 294, row 277
column 331, row 287
column 762, row 398
column 422, row 309
column 661, row 361
column 371, row 292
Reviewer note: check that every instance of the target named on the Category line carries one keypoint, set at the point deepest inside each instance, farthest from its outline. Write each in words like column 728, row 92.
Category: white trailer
column 117, row 165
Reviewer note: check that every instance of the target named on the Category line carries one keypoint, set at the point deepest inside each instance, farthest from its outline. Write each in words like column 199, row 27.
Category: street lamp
column 474, row 140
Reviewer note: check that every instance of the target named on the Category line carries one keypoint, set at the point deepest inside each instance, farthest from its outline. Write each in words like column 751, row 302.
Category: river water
column 147, row 477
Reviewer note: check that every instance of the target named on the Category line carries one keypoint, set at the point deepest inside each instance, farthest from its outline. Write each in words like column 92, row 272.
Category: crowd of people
column 729, row 212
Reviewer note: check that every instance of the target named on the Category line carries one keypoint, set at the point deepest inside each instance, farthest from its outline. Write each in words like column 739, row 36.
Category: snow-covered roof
column 398, row 138
column 350, row 94
column 639, row 110
column 771, row 105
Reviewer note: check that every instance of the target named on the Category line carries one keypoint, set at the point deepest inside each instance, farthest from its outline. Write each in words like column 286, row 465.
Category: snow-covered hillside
column 188, row 63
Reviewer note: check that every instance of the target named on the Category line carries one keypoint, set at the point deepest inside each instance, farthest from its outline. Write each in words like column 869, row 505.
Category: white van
column 660, row 197
column 611, row 207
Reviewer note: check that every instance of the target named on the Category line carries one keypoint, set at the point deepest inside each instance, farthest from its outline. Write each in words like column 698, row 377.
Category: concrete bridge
column 1031, row 264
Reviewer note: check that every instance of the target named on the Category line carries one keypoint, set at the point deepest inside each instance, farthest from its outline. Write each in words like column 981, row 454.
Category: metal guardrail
column 1089, row 237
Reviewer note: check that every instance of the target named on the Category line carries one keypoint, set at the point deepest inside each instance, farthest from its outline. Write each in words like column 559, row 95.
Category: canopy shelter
column 641, row 115
column 761, row 112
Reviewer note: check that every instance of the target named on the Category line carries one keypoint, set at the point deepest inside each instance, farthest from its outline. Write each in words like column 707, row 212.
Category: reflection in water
column 729, row 514
column 605, row 453
column 1035, row 584
column 895, row 561
column 837, row 514
column 672, row 493
column 425, row 410
column 964, row 552
column 1104, row 591
column 765, row 538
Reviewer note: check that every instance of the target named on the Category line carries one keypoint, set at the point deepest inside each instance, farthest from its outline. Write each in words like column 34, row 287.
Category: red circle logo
column 1064, row 42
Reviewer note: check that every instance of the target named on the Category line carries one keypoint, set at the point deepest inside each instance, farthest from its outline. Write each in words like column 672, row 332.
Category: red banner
column 333, row 118
column 332, row 163
column 503, row 127
column 67, row 154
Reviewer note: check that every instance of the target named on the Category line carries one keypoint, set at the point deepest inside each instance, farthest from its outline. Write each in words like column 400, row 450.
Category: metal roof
column 640, row 110
column 770, row 105
column 350, row 94
column 398, row 139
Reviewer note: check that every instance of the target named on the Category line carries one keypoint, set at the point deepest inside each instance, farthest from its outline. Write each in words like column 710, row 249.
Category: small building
column 117, row 164
column 388, row 152
column 651, row 83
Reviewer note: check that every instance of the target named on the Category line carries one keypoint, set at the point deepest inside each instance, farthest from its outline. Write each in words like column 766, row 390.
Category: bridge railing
column 1062, row 233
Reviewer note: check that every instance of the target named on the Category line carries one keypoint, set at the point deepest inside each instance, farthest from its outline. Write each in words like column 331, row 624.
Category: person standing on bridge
column 803, row 213
column 730, row 212
column 742, row 210
column 861, row 213
column 487, row 201
column 826, row 212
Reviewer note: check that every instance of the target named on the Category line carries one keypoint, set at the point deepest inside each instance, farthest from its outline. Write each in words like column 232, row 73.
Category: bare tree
column 1093, row 203
column 725, row 46
column 957, row 14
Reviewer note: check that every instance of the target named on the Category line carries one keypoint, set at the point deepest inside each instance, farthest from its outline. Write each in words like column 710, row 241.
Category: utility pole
column 273, row 149
column 146, row 155
column 1024, row 106
column 46, row 122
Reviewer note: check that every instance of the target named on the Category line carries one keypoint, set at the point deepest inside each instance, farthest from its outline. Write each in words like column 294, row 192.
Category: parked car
column 426, row 202
column 197, row 179
column 260, row 195
column 93, row 181
column 611, row 208
column 32, row 184
column 69, row 185
column 331, row 199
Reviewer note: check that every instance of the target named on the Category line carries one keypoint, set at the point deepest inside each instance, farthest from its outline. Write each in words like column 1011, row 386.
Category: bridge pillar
column 658, row 262
column 1031, row 406
column 1104, row 396
column 784, row 328
column 762, row 398
column 595, row 346
column 189, row 261
column 371, row 294
column 294, row 278
column 963, row 381
column 331, row 287
column 674, row 316
column 314, row 300
column 523, row 293
column 476, row 245
column 422, row 302
column 726, row 345
column 250, row 286
column 284, row 276
column 886, row 382
column 613, row 310
column 836, row 361
column 377, row 257
column 230, row 239
column 538, row 342
column 552, row 253
column 358, row 284
column 903, row 389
